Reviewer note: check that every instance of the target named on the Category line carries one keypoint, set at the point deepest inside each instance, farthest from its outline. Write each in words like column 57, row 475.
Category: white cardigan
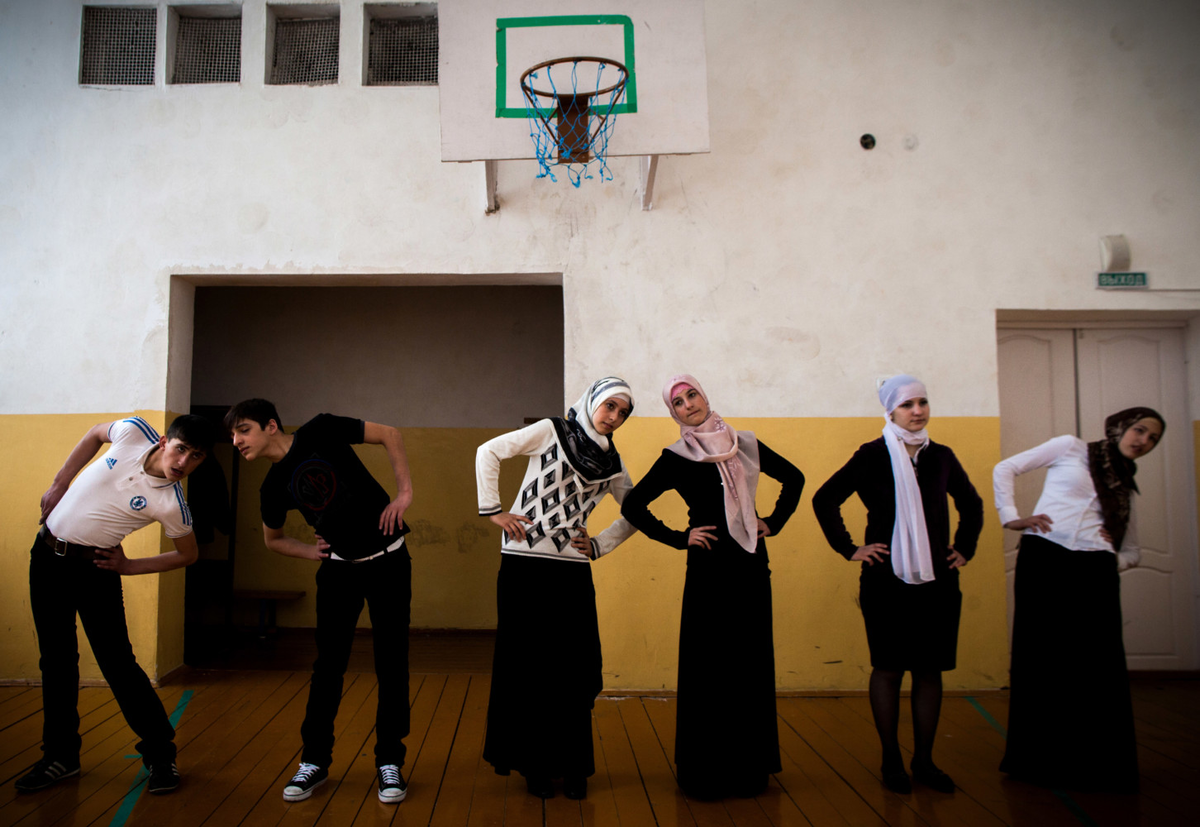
column 553, row 495
column 1068, row 498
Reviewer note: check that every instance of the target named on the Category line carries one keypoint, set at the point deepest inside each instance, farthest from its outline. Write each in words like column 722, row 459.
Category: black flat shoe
column 897, row 780
column 539, row 786
column 575, row 788
column 933, row 778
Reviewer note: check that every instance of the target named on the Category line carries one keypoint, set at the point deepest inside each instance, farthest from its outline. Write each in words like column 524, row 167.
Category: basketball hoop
column 579, row 124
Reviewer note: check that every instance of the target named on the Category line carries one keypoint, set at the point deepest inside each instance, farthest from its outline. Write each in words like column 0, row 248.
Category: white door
column 1056, row 381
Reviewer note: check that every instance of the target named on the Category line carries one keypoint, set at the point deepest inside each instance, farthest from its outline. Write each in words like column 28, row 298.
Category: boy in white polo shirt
column 76, row 565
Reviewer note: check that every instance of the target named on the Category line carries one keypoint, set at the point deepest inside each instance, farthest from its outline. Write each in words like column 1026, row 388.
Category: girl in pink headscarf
column 726, row 738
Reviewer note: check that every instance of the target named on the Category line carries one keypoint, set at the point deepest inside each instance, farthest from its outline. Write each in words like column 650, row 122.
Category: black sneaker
column 164, row 778
column 306, row 779
column 46, row 773
column 392, row 788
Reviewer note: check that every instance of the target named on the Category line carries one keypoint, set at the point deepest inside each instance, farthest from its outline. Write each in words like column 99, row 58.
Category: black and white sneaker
column 306, row 779
column 392, row 788
column 164, row 778
column 45, row 773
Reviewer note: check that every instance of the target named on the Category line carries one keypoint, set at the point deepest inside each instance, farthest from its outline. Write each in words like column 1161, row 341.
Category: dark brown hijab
column 1112, row 472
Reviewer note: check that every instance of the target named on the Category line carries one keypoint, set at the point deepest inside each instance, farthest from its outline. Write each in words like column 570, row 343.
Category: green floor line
column 1070, row 803
column 139, row 786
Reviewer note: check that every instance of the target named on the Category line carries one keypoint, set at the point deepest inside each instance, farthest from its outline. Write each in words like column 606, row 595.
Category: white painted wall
column 788, row 268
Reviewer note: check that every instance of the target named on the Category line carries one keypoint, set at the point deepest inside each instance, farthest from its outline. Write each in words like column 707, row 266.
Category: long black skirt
column 911, row 627
column 546, row 672
column 726, row 733
column 1070, row 717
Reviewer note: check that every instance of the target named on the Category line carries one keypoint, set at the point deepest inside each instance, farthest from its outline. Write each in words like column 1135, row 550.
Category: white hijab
column 591, row 400
column 911, row 559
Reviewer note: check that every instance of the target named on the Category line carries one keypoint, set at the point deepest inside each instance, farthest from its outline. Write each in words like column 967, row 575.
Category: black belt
column 64, row 549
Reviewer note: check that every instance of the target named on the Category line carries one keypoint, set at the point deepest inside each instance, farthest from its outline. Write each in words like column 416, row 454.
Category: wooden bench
column 268, row 600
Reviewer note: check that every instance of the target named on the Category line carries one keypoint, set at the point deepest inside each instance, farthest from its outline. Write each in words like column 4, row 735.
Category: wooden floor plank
column 274, row 753
column 19, row 707
column 961, row 807
column 454, row 800
column 354, row 755
column 624, row 781
column 488, row 798
column 599, row 809
column 239, row 741
column 271, row 809
column 841, row 750
column 655, row 764
column 811, row 785
column 204, row 762
column 434, row 718
column 562, row 812
column 661, row 715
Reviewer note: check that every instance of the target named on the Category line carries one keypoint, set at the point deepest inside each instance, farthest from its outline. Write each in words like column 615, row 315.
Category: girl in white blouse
column 1070, row 719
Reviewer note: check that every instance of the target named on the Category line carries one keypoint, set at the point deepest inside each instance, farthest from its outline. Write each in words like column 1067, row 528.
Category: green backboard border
column 503, row 24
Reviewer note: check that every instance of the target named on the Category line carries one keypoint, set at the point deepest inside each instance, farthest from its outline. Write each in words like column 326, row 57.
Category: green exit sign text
column 1122, row 280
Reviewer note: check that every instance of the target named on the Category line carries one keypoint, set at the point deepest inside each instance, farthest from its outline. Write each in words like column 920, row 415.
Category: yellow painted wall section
column 33, row 449
column 819, row 638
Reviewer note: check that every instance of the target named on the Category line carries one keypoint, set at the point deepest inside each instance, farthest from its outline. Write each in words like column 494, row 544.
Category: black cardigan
column 869, row 474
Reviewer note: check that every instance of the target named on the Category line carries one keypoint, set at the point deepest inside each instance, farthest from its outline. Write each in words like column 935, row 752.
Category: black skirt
column 1070, row 716
column 726, row 733
column 911, row 627
column 546, row 672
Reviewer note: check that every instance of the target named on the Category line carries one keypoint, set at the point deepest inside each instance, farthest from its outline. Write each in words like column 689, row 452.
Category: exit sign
column 1110, row 280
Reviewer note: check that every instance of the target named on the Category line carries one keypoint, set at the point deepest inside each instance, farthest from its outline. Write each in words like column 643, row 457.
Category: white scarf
column 911, row 558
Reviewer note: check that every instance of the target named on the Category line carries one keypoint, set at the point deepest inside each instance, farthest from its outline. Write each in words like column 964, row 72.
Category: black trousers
column 385, row 585
column 59, row 588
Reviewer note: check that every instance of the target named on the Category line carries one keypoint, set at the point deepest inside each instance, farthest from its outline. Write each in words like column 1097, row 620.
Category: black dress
column 547, row 669
column 909, row 627
column 1070, row 713
column 726, row 735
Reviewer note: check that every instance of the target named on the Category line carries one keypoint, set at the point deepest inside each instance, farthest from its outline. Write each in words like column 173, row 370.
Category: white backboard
column 484, row 46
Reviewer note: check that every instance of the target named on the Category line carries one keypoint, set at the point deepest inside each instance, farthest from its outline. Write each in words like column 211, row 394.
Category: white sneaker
column 306, row 779
column 392, row 788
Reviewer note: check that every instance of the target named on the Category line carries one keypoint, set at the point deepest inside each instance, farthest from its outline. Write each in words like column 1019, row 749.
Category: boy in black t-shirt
column 360, row 544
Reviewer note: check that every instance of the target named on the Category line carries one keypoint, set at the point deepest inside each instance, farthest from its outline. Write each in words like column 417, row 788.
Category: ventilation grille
column 403, row 51
column 118, row 46
column 306, row 51
column 208, row 50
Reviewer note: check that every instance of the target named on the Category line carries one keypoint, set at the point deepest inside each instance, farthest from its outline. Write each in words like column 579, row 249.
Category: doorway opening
column 451, row 366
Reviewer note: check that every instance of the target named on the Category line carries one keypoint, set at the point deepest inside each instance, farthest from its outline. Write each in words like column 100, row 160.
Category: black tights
column 926, row 707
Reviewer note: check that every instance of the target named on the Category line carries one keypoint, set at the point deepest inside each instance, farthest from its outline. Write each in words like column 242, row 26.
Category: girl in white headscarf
column 547, row 665
column 908, row 589
column 726, row 738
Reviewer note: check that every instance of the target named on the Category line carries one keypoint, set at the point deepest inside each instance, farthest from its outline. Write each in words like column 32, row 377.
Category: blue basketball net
column 574, row 133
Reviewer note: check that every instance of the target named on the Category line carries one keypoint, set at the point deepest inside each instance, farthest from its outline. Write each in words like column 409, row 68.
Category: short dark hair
column 261, row 411
column 194, row 431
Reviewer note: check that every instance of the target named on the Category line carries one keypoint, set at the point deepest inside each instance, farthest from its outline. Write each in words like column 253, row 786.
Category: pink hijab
column 736, row 456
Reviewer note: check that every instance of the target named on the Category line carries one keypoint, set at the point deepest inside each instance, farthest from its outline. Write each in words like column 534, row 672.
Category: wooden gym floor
column 239, row 743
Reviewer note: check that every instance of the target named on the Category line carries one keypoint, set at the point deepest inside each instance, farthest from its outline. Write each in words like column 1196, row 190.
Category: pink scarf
column 736, row 456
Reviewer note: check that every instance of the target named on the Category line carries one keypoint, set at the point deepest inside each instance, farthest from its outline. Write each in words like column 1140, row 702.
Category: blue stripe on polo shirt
column 144, row 427
column 184, row 511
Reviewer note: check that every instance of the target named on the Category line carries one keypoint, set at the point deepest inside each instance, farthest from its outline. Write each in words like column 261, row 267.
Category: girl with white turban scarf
column 908, row 588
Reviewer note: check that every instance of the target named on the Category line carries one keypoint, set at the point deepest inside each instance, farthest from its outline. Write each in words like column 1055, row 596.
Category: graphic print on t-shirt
column 314, row 484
